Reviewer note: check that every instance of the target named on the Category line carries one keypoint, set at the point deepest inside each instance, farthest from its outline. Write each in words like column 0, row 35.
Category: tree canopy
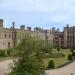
column 31, row 52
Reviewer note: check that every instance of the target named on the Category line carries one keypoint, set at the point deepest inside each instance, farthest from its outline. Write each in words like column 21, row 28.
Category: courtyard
column 66, row 70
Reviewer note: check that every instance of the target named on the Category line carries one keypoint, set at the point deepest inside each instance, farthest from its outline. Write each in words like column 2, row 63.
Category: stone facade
column 64, row 39
column 11, row 37
column 69, row 37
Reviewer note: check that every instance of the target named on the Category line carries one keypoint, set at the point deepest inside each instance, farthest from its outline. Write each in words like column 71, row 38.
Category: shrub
column 51, row 64
column 2, row 53
column 69, row 57
column 73, row 53
column 57, row 55
column 8, row 52
column 72, row 49
column 58, row 49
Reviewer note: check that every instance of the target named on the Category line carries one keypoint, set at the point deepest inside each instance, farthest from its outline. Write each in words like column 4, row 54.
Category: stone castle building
column 11, row 37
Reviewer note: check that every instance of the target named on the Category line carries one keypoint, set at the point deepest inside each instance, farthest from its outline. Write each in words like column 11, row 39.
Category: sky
column 38, row 13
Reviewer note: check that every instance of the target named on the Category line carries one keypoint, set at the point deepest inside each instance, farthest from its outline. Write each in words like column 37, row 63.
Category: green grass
column 58, row 61
column 5, row 58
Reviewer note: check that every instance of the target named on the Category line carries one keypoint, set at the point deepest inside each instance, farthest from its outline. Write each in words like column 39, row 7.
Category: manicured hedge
column 2, row 53
column 51, row 64
column 69, row 57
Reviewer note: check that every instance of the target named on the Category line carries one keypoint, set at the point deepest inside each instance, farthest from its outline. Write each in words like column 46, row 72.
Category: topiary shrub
column 73, row 53
column 2, row 53
column 72, row 49
column 57, row 55
column 58, row 49
column 8, row 52
column 69, row 57
column 51, row 64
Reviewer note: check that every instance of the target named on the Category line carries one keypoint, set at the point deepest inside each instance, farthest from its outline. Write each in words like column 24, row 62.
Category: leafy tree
column 31, row 52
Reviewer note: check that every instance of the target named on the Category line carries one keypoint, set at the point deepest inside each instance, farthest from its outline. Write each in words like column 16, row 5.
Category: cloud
column 39, row 11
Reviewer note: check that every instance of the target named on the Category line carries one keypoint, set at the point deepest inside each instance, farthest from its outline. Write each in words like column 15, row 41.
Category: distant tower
column 1, row 23
column 14, row 35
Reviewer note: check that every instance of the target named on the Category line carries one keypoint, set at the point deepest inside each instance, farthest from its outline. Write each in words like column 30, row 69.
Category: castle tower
column 1, row 23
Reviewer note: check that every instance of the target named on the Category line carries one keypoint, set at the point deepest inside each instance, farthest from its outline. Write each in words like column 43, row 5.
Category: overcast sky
column 40, row 13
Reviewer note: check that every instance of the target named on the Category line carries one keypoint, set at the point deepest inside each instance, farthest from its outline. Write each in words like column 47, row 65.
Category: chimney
column 22, row 27
column 67, row 25
column 13, row 24
column 29, row 28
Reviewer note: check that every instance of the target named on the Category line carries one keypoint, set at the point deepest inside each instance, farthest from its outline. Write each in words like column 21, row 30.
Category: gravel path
column 66, row 70
column 4, row 66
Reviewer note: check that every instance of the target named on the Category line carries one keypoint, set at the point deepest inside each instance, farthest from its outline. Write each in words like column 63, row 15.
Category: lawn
column 5, row 58
column 58, row 61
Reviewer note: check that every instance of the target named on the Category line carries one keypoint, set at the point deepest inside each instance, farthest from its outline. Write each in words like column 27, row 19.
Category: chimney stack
column 13, row 24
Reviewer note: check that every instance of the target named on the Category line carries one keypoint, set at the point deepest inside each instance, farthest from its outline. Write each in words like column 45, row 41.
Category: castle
column 11, row 37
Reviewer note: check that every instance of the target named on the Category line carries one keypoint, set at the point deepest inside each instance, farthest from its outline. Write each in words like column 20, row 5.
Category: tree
column 31, row 52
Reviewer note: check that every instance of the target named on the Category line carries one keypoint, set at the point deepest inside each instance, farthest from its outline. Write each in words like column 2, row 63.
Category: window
column 15, row 35
column 0, row 35
column 8, row 45
column 9, row 35
column 5, row 36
